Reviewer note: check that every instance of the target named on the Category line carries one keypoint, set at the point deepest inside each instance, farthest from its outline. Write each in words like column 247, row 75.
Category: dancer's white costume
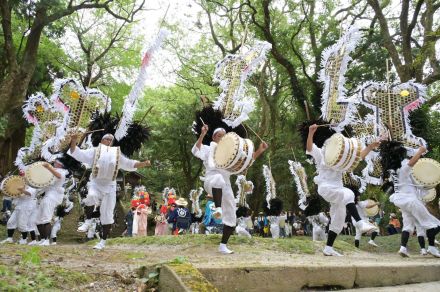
column 407, row 198
column 242, row 225
column 53, row 197
column 319, row 224
column 331, row 188
column 219, row 179
column 23, row 217
column 58, row 220
column 105, row 162
column 361, row 206
column 275, row 226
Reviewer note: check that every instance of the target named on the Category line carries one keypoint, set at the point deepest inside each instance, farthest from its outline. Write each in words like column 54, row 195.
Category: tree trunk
column 13, row 140
column 13, row 90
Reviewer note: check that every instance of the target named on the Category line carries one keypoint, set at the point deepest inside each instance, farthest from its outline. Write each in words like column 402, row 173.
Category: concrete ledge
column 294, row 278
column 183, row 277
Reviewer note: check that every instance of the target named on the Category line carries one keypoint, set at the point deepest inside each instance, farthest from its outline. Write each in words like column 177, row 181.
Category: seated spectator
column 394, row 226
column 209, row 220
column 180, row 217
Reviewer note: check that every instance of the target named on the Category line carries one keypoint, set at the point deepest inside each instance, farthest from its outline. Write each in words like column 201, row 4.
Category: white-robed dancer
column 52, row 198
column 319, row 224
column 361, row 206
column 23, row 216
column 217, row 182
column 331, row 189
column 105, row 162
column 414, row 212
column 59, row 219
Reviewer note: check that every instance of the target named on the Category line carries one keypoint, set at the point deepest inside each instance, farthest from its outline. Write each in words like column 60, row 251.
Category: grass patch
column 297, row 244
column 387, row 244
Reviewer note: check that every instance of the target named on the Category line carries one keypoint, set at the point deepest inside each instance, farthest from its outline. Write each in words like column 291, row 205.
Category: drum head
column 372, row 211
column 226, row 150
column 11, row 184
column 332, row 149
column 426, row 172
column 38, row 176
column 430, row 196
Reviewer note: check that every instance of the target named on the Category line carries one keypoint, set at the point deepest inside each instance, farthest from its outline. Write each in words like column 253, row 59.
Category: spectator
column 394, row 226
column 282, row 223
column 129, row 222
column 180, row 217
column 211, row 223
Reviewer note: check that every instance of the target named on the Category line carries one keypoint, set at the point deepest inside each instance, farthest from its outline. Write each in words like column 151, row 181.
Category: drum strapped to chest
column 430, row 196
column 11, row 184
column 234, row 153
column 373, row 211
column 341, row 153
column 426, row 173
column 38, row 176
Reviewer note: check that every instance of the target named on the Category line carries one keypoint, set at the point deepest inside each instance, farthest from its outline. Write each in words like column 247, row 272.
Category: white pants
column 318, row 234
column 106, row 201
column 23, row 220
column 275, row 230
column 55, row 228
column 46, row 210
column 229, row 217
column 358, row 231
column 338, row 197
column 414, row 213
column 241, row 231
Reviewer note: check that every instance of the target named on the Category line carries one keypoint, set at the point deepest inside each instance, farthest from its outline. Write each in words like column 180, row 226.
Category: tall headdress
column 272, row 205
column 232, row 73
column 245, row 187
column 300, row 177
column 131, row 101
column 335, row 104
column 194, row 196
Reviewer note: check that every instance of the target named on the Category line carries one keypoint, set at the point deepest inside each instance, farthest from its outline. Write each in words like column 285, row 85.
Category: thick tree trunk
column 13, row 90
column 15, row 136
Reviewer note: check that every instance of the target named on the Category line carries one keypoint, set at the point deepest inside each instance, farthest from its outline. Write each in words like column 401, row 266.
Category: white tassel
column 300, row 177
column 270, row 185
column 131, row 101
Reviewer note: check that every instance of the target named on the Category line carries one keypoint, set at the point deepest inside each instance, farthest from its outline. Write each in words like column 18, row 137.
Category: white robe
column 23, row 216
column 53, row 197
column 331, row 189
column 102, row 189
column 219, row 179
column 407, row 198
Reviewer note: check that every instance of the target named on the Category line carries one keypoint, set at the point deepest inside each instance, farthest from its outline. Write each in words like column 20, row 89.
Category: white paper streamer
column 131, row 101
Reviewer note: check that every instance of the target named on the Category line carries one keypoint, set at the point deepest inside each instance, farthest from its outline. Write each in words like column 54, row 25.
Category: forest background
column 100, row 43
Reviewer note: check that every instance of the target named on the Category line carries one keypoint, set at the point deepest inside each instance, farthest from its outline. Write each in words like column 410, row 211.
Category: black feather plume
column 391, row 155
column 314, row 206
column 137, row 133
column 214, row 119
column 242, row 212
column 321, row 134
column 276, row 206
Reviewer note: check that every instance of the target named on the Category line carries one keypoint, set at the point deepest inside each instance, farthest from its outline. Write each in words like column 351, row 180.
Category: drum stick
column 89, row 132
column 294, row 157
column 306, row 106
column 202, row 121
column 148, row 111
column 327, row 125
column 247, row 126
